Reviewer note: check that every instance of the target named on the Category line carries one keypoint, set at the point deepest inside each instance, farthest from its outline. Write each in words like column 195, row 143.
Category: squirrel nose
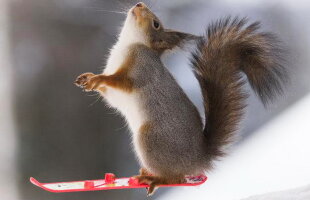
column 140, row 5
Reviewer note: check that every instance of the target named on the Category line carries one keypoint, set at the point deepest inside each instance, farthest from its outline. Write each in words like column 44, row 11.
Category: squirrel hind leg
column 144, row 172
column 155, row 181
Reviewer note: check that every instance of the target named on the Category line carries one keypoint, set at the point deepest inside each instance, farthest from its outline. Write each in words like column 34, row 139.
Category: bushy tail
column 229, row 48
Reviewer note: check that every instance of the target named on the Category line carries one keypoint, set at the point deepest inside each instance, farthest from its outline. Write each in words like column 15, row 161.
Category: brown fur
column 119, row 80
column 160, row 39
column 228, row 49
column 145, row 128
column 102, row 89
column 144, row 172
column 155, row 181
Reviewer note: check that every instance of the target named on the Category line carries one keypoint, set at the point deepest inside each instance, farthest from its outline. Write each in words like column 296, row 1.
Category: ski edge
column 41, row 185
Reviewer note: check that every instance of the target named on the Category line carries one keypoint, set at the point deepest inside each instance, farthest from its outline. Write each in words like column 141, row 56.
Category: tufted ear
column 169, row 39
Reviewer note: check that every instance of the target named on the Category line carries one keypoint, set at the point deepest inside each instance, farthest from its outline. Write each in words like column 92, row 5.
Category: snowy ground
column 275, row 158
column 293, row 194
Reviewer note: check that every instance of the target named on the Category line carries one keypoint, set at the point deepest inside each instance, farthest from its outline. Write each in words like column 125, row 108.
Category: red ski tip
column 34, row 181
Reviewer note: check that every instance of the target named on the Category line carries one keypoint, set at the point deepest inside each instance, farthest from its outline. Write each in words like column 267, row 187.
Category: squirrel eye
column 156, row 24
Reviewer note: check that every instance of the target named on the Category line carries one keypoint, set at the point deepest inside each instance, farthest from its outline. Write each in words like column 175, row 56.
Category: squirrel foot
column 144, row 172
column 82, row 79
column 88, row 81
column 155, row 181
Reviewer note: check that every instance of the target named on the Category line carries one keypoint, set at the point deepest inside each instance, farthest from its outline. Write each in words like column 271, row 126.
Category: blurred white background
column 54, row 132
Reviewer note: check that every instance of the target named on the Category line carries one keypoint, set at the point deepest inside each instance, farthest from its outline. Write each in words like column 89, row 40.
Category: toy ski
column 110, row 182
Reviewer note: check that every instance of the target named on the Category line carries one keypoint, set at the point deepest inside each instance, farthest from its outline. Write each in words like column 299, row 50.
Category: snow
column 294, row 194
column 275, row 158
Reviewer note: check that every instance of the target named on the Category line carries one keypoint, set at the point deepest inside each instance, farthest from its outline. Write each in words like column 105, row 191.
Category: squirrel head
column 146, row 28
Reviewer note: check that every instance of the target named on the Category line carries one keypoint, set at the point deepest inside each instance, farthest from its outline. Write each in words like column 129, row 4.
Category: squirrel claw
column 151, row 190
column 151, row 181
column 83, row 80
column 155, row 181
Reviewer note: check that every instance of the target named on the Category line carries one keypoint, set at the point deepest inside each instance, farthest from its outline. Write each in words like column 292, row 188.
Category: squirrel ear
column 170, row 39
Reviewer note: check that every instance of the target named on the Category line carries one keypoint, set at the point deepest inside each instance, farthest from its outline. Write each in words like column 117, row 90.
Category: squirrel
column 168, row 133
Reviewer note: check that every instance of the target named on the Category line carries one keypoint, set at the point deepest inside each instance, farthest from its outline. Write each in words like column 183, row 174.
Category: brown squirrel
column 169, row 137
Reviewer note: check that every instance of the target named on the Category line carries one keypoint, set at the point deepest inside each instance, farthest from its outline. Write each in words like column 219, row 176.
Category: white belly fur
column 127, row 103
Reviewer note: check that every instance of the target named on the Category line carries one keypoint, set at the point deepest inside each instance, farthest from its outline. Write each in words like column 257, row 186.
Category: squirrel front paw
column 88, row 81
